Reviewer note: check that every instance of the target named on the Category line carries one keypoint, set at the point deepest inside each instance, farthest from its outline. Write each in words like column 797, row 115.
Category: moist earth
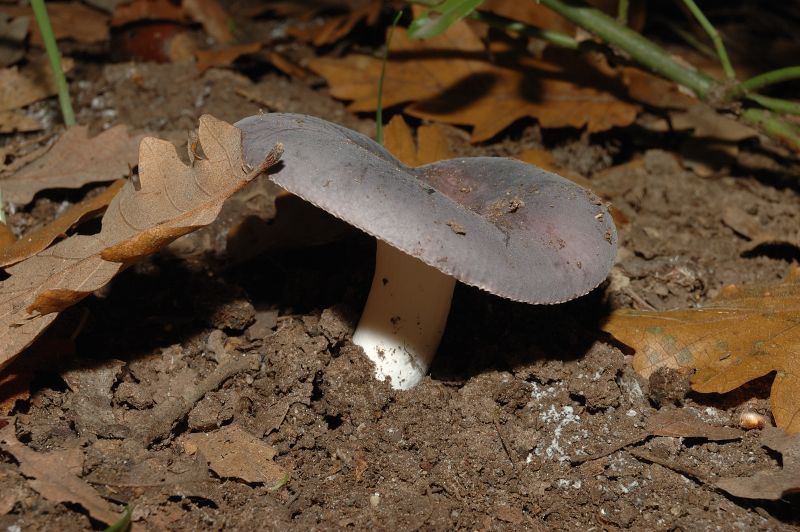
column 530, row 419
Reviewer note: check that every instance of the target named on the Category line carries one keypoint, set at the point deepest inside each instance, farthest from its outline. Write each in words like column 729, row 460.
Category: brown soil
column 491, row 440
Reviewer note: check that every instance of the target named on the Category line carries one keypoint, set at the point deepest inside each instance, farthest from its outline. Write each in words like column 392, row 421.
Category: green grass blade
column 441, row 17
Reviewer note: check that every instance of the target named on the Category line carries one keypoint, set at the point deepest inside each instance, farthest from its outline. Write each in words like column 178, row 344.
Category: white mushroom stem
column 405, row 316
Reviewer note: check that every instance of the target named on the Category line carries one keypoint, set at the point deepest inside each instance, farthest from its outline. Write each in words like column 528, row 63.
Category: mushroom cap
column 499, row 224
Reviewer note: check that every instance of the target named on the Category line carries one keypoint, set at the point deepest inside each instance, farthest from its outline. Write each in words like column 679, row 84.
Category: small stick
column 176, row 407
column 685, row 471
column 610, row 450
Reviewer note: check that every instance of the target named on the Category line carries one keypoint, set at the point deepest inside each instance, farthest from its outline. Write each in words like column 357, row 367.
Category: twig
column 175, row 407
column 684, row 471
column 611, row 449
column 53, row 55
column 712, row 32
column 505, row 447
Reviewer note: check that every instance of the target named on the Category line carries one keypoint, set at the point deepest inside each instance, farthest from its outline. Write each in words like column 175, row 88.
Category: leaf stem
column 712, row 32
column 53, row 55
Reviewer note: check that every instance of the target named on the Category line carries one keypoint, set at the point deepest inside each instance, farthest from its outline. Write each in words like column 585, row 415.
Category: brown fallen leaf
column 75, row 160
column 235, row 453
column 212, row 16
column 13, row 387
column 23, row 152
column 16, row 121
column 172, row 199
column 7, row 237
column 449, row 78
column 37, row 240
column 715, row 140
column 139, row 10
column 684, row 423
column 536, row 14
column 745, row 333
column 55, row 476
column 770, row 485
column 12, row 38
column 23, row 86
column 70, row 20
column 431, row 145
column 223, row 56
column 336, row 27
column 749, row 227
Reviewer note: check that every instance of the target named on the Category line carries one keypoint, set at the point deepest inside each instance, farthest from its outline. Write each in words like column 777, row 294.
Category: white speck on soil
column 562, row 417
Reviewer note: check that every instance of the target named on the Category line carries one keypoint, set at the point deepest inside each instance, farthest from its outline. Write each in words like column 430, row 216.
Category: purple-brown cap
column 499, row 224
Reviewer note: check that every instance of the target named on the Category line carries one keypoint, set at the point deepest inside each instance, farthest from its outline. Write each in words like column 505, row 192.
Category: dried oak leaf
column 75, row 160
column 212, row 16
column 223, row 56
column 55, row 475
column 334, row 28
column 174, row 199
column 17, row 121
column 140, row 10
column 12, row 38
column 7, row 237
column 431, row 145
column 70, row 20
column 745, row 333
column 35, row 241
column 770, row 485
column 21, row 87
column 234, row 452
column 449, row 78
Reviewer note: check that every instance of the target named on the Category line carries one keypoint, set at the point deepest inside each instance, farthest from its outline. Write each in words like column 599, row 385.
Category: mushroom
column 498, row 224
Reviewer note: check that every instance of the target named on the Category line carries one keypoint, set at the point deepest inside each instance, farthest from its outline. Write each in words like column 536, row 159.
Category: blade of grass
column 379, row 111
column 712, row 32
column 767, row 78
column 646, row 52
column 775, row 104
column 774, row 126
column 622, row 11
column 441, row 17
column 123, row 524
column 509, row 24
column 53, row 55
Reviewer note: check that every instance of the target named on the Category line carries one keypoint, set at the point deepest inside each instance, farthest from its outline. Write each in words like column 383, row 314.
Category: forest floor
column 531, row 417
